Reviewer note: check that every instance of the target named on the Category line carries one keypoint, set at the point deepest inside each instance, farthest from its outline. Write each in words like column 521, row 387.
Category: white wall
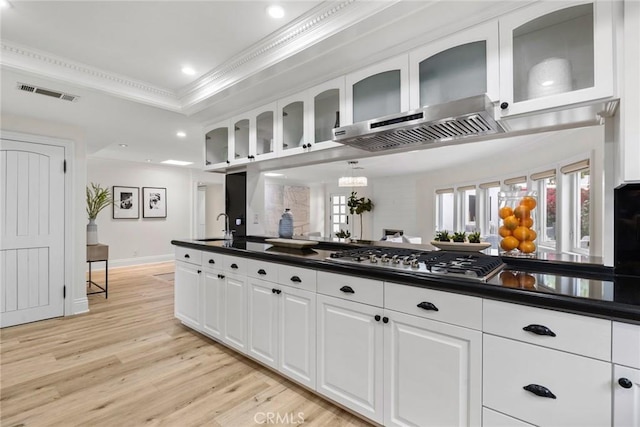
column 213, row 207
column 137, row 241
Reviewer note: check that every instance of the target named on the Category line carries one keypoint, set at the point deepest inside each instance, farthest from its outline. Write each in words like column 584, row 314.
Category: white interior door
column 32, row 195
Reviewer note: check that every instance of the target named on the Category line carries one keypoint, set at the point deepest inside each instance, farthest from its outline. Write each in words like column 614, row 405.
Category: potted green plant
column 359, row 205
column 98, row 198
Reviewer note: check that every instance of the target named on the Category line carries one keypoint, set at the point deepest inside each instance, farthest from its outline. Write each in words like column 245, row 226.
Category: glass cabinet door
column 241, row 139
column 217, row 146
column 554, row 56
column 264, row 133
column 326, row 114
column 293, row 125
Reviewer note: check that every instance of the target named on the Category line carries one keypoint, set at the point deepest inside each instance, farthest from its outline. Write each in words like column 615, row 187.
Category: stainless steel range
column 473, row 266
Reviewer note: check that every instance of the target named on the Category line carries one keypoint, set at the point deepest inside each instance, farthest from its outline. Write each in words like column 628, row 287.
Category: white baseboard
column 80, row 305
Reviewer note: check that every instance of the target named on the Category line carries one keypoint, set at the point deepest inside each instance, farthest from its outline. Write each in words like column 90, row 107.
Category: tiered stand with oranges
column 516, row 229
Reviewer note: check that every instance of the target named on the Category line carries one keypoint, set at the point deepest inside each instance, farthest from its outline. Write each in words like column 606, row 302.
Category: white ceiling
column 123, row 59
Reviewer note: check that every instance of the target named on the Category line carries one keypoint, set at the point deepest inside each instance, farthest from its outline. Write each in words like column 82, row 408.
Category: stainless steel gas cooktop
column 473, row 266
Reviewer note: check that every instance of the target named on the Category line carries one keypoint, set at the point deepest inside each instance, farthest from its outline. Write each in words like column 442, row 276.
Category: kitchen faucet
column 227, row 232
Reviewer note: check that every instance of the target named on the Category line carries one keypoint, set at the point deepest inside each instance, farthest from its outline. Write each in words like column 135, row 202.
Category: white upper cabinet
column 327, row 106
column 239, row 139
column 555, row 54
column 264, row 135
column 455, row 67
column 292, row 135
column 217, row 146
column 378, row 90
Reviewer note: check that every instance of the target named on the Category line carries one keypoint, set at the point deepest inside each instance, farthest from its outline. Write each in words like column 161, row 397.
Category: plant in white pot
column 98, row 198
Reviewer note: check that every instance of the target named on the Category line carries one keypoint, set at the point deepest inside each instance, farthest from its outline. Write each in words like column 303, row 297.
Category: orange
column 511, row 222
column 508, row 279
column 526, row 222
column 529, row 202
column 505, row 211
column 522, row 212
column 504, row 231
column 527, row 247
column 509, row 243
column 532, row 235
column 521, row 233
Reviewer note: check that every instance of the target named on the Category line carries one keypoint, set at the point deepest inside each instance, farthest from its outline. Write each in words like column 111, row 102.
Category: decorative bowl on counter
column 291, row 243
column 460, row 246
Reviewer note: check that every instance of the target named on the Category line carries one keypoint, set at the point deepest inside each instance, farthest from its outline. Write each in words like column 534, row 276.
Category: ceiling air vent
column 47, row 92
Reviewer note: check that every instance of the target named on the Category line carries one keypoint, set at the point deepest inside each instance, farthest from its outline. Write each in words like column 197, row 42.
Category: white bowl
column 460, row 247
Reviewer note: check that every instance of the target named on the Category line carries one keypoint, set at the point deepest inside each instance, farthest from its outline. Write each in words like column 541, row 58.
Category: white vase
column 92, row 232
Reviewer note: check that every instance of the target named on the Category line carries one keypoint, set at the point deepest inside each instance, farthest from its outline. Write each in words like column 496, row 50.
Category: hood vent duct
column 47, row 92
column 454, row 120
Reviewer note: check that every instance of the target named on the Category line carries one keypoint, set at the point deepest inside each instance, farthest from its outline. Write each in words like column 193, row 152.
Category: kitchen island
column 536, row 344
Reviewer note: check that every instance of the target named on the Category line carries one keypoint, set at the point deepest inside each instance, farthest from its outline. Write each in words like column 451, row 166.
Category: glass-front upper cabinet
column 455, row 67
column 217, row 146
column 555, row 54
column 327, row 103
column 241, row 129
column 264, row 132
column 292, row 136
column 378, row 90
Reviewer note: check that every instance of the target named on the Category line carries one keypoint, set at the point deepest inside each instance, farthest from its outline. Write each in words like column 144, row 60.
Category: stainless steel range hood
column 459, row 119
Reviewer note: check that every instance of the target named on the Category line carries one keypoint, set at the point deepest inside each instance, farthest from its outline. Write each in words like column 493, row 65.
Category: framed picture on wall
column 154, row 202
column 126, row 202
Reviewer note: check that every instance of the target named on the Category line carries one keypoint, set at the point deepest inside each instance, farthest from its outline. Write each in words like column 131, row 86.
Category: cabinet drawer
column 235, row 265
column 300, row 278
column 192, row 256
column 457, row 309
column 581, row 386
column 212, row 260
column 496, row 419
column 352, row 288
column 626, row 344
column 264, row 270
column 583, row 335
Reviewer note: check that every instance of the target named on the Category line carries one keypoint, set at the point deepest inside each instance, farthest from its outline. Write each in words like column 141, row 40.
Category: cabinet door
column 350, row 355
column 455, row 67
column 626, row 396
column 264, row 137
column 187, row 293
column 297, row 333
column 235, row 313
column 327, row 106
column 239, row 139
column 216, row 152
column 552, row 55
column 292, row 120
column 432, row 373
column 213, row 304
column 263, row 307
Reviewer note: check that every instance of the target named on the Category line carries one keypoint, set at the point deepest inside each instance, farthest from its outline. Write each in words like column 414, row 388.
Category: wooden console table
column 99, row 253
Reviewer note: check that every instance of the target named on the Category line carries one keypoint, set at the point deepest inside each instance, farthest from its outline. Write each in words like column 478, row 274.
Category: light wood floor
column 129, row 362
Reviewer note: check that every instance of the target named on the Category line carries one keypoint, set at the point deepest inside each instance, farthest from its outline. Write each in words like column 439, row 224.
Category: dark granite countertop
column 577, row 285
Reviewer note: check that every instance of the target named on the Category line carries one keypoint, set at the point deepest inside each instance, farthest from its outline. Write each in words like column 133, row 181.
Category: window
column 579, row 205
column 338, row 216
column 545, row 185
column 491, row 220
column 469, row 209
column 445, row 209
column 518, row 183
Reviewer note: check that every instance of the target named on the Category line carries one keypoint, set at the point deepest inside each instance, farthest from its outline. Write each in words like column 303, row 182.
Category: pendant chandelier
column 352, row 180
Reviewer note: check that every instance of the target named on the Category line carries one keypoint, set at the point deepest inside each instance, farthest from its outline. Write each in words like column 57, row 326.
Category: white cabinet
column 626, row 396
column 432, row 373
column 327, row 103
column 554, row 54
column 216, row 152
column 455, row 67
column 377, row 90
column 187, row 293
column 213, row 303
column 626, row 344
column 293, row 130
column 263, row 132
column 263, row 311
column 235, row 313
column 350, row 352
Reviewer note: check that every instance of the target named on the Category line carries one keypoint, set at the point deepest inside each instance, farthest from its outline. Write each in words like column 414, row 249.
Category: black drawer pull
column 427, row 306
column 296, row 279
column 385, row 319
column 262, row 272
column 211, row 261
column 278, row 291
column 187, row 256
column 199, row 271
column 234, row 266
column 273, row 291
column 347, row 290
column 539, row 330
column 625, row 383
column 539, row 390
column 220, row 276
column 377, row 317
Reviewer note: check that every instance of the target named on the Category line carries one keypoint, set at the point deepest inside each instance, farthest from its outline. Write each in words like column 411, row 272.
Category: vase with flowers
column 98, row 198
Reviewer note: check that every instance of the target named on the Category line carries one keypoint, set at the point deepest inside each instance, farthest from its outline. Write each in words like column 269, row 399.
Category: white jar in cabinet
column 216, row 146
column 292, row 133
column 455, row 67
column 556, row 54
column 327, row 103
column 378, row 90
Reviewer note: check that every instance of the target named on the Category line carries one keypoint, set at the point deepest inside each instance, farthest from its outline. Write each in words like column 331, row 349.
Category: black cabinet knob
column 504, row 105
column 347, row 290
column 234, row 266
column 199, row 271
column 228, row 162
column 262, row 272
column 539, row 390
column 427, row 306
column 385, row 319
column 220, row 276
column 273, row 291
column 625, row 383
column 296, row 279
column 211, row 261
column 377, row 317
column 539, row 330
column 187, row 256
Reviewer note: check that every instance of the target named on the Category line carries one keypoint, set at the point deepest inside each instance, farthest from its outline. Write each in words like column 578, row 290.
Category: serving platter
column 460, row 246
column 291, row 243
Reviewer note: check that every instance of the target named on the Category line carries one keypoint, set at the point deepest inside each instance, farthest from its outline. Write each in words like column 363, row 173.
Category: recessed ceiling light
column 5, row 4
column 272, row 174
column 275, row 11
column 181, row 134
column 123, row 145
column 188, row 71
column 176, row 162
